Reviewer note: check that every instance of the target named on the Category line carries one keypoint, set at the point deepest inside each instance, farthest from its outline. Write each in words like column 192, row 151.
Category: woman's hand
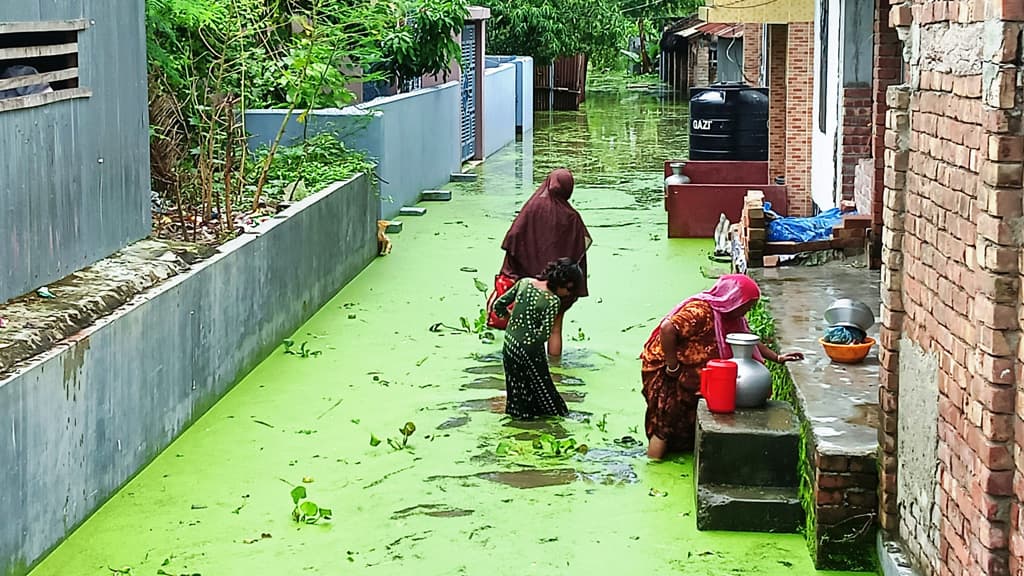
column 790, row 357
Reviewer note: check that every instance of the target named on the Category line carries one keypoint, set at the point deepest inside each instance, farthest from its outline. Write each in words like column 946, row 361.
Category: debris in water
column 44, row 292
column 468, row 269
column 262, row 423
column 454, row 422
column 657, row 493
column 435, row 510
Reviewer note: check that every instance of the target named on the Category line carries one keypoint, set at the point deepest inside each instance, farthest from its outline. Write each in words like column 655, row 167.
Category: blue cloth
column 785, row 229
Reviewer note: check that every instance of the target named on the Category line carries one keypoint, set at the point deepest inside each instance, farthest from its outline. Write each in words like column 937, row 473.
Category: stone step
column 463, row 177
column 436, row 195
column 394, row 227
column 751, row 447
column 749, row 509
column 412, row 211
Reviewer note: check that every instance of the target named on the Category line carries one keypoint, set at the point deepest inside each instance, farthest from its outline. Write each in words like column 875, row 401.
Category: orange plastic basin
column 848, row 353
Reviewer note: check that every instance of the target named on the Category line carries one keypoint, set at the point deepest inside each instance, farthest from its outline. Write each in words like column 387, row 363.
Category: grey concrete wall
column 917, row 445
column 524, row 88
column 74, row 181
column 413, row 137
column 500, row 110
column 84, row 418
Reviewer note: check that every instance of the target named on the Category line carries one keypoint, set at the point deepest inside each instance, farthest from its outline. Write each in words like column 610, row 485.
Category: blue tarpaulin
column 791, row 229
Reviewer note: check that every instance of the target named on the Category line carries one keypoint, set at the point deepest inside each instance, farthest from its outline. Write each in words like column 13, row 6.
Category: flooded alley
column 463, row 489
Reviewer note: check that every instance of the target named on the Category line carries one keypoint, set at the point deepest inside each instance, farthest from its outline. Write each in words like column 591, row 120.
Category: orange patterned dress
column 672, row 401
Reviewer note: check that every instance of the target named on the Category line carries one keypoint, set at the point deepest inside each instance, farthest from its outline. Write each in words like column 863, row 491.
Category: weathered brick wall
column 951, row 285
column 701, row 65
column 799, row 116
column 885, row 71
column 777, row 103
column 856, row 134
column 752, row 40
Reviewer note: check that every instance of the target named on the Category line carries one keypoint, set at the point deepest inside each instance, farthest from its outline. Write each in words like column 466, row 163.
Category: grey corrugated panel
column 60, row 208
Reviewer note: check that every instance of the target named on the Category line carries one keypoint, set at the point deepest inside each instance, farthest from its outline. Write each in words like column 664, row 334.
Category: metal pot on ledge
column 677, row 176
column 753, row 380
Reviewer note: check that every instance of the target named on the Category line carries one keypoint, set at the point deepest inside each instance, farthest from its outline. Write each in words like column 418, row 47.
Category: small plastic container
column 848, row 353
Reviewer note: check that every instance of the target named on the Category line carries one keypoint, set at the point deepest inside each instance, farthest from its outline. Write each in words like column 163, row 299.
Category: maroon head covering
column 547, row 228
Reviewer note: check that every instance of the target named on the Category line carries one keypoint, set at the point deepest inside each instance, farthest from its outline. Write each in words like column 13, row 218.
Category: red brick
column 1009, row 9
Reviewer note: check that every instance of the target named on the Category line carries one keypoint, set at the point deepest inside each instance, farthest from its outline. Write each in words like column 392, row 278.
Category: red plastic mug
column 718, row 386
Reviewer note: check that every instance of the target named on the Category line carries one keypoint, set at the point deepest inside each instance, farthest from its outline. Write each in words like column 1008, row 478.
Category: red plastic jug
column 718, row 386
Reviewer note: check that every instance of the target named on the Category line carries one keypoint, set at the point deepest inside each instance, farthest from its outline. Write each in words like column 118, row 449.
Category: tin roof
column 714, row 29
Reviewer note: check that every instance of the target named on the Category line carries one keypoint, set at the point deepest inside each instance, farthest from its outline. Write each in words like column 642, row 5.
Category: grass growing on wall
column 763, row 324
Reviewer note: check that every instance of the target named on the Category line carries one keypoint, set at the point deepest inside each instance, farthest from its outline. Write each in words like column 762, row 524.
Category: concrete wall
column 918, row 447
column 524, row 88
column 828, row 67
column 84, row 418
column 414, row 138
column 74, row 181
column 500, row 107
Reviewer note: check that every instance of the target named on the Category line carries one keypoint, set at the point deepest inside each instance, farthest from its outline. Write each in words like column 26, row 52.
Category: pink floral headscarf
column 730, row 292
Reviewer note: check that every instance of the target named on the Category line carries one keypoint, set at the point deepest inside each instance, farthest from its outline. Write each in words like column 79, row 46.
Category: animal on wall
column 383, row 242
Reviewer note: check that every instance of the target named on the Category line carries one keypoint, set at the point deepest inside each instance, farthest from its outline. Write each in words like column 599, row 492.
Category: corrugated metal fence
column 74, row 180
column 561, row 85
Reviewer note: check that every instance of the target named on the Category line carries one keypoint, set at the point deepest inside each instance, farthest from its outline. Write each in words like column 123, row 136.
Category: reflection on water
column 615, row 141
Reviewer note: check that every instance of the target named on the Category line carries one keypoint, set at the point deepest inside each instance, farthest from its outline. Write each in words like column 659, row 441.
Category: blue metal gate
column 468, row 91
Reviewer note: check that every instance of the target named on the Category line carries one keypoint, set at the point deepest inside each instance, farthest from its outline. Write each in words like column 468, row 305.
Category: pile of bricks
column 851, row 235
column 753, row 229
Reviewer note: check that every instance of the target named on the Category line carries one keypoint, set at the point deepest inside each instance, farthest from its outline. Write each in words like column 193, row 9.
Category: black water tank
column 729, row 121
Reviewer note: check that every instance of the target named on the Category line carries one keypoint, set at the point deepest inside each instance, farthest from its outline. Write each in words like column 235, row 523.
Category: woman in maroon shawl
column 546, row 229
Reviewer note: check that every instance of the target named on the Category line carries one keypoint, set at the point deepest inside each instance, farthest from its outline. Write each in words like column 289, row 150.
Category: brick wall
column 752, row 40
column 954, row 156
column 777, row 117
column 885, row 72
column 799, row 115
column 855, row 144
column 699, row 60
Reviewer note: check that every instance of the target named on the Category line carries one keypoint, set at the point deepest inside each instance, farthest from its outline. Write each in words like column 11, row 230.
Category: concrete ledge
column 80, row 420
column 838, row 405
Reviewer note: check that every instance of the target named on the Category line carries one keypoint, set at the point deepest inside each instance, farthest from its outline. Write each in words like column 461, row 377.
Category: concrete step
column 749, row 509
column 412, row 211
column 751, row 447
column 463, row 177
column 394, row 227
column 436, row 195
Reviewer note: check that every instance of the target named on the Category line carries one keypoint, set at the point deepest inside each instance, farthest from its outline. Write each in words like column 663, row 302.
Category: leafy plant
column 316, row 162
column 544, row 446
column 406, row 432
column 302, row 352
column 602, row 424
column 306, row 511
column 423, row 42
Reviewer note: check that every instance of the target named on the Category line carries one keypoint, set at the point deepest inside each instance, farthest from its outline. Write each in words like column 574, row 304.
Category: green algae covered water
column 470, row 492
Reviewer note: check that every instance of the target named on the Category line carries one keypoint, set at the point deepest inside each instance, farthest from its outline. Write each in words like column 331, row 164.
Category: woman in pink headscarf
column 691, row 335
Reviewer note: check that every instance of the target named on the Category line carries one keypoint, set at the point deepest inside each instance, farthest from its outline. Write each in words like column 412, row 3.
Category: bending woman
column 691, row 335
column 546, row 229
column 528, row 385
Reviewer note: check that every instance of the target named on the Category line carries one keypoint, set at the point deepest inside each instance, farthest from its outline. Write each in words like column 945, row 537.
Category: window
column 39, row 63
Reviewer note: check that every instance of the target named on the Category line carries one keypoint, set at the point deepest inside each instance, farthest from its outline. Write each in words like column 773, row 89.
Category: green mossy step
column 749, row 509
column 436, row 195
column 751, row 447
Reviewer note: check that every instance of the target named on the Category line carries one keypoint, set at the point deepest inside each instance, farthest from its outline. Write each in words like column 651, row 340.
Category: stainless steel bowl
column 851, row 314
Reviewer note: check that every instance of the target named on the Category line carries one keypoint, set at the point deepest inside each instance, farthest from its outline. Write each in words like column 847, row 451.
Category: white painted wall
column 825, row 160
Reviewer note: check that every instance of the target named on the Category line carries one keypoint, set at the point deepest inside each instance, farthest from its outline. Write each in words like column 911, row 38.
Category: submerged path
column 470, row 494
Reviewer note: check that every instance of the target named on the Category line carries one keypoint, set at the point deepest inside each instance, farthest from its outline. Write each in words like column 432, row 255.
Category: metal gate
column 468, row 91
